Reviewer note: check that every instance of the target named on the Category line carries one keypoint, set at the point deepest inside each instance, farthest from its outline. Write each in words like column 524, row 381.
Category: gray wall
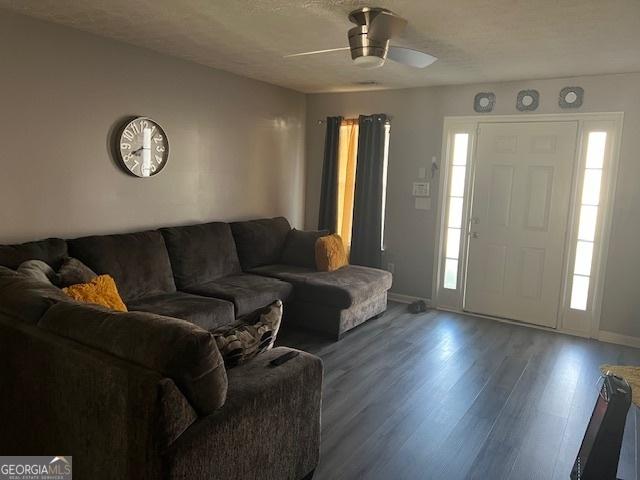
column 237, row 149
column 416, row 135
column 237, row 145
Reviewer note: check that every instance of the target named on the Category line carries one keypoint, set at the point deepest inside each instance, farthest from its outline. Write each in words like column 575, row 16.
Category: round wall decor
column 528, row 100
column 484, row 102
column 571, row 97
column 142, row 147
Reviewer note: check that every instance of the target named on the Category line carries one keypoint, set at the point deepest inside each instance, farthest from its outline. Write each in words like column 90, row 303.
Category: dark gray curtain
column 367, row 209
column 329, row 189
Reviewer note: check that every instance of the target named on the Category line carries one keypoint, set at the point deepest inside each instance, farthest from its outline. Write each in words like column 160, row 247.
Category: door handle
column 475, row 235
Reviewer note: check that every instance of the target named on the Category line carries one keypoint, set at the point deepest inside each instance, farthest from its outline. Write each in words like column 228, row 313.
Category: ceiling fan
column 369, row 40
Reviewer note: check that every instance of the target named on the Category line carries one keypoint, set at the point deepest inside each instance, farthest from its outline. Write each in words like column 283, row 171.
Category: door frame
column 582, row 323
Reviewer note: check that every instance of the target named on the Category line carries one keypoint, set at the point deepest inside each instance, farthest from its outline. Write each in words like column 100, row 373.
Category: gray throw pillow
column 253, row 334
column 73, row 272
column 300, row 248
column 38, row 270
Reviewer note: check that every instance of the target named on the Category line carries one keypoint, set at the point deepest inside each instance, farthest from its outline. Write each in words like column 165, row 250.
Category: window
column 588, row 220
column 347, row 166
column 455, row 202
column 385, row 168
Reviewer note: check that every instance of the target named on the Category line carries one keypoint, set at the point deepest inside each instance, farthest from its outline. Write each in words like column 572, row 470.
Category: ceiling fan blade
column 410, row 57
column 316, row 52
column 386, row 25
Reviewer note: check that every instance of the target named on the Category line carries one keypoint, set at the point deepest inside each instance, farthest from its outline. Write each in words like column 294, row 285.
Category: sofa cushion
column 38, row 270
column 101, row 290
column 207, row 313
column 180, row 350
column 25, row 298
column 246, row 292
column 73, row 271
column 254, row 334
column 260, row 242
column 201, row 253
column 138, row 262
column 299, row 248
column 341, row 288
column 51, row 251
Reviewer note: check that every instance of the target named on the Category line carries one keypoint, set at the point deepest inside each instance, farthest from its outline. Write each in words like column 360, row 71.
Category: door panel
column 531, row 272
column 494, row 268
column 500, row 195
column 539, row 191
column 519, row 212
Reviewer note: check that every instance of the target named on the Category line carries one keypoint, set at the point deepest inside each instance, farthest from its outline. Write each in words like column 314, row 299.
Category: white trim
column 589, row 320
column 453, row 299
column 440, row 295
column 610, row 185
column 603, row 336
column 541, row 117
column 619, row 339
column 513, row 322
column 400, row 298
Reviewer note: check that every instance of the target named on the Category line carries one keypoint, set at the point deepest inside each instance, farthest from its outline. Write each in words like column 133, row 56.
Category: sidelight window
column 455, row 202
column 587, row 228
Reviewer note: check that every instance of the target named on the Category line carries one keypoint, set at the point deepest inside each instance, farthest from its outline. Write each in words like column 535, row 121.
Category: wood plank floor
column 447, row 396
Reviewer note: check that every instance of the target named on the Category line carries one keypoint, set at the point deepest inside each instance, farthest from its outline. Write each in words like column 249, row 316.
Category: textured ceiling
column 475, row 40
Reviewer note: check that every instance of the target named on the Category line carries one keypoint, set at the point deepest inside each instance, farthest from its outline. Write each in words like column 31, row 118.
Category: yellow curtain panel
column 347, row 158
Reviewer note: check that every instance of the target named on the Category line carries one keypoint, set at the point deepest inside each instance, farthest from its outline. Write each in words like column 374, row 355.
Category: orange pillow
column 101, row 290
column 330, row 253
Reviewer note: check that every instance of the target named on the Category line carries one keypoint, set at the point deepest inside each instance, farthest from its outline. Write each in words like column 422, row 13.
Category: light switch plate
column 421, row 189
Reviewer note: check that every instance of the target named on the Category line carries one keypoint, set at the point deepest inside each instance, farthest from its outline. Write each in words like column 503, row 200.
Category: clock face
column 143, row 148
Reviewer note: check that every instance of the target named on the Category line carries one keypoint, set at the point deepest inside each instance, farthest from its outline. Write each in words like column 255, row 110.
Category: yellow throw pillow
column 330, row 253
column 101, row 290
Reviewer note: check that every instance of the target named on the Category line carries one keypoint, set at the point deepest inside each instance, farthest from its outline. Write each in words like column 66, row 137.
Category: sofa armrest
column 269, row 427
column 112, row 416
column 177, row 349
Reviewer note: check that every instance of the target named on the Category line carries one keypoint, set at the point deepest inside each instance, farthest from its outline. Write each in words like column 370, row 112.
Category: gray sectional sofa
column 145, row 394
column 212, row 273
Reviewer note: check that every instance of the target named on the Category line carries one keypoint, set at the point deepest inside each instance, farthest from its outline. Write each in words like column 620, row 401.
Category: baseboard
column 619, row 339
column 400, row 298
column 603, row 336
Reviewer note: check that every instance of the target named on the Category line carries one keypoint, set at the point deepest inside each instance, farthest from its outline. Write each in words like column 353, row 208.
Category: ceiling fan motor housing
column 363, row 45
column 369, row 40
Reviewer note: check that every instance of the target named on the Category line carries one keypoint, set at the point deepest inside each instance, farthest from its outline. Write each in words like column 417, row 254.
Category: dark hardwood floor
column 446, row 396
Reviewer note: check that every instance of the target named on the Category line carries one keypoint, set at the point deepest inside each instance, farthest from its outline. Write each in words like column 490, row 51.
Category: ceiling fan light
column 369, row 62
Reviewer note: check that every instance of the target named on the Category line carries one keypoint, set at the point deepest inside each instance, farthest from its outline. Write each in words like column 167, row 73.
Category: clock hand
column 135, row 152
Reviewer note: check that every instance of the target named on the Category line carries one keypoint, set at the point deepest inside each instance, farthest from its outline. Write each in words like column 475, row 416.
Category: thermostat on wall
column 421, row 189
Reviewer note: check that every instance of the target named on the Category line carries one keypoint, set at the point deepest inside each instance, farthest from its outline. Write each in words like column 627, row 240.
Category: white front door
column 518, row 220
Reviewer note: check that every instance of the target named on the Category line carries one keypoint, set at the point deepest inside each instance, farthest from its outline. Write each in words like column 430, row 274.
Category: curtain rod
column 323, row 121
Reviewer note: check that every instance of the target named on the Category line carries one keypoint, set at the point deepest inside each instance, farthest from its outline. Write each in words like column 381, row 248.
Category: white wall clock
column 142, row 147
